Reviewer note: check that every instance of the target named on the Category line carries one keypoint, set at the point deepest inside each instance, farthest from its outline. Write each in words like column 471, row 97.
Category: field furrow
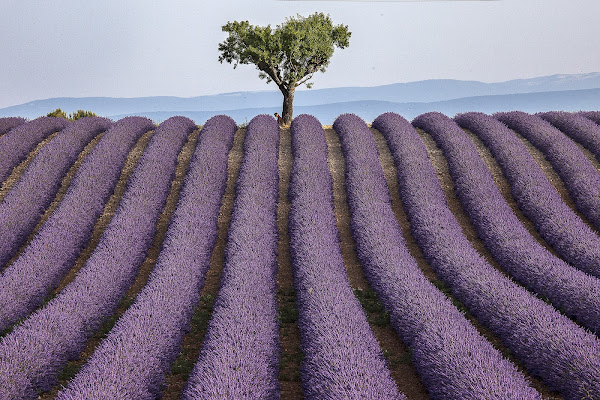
column 68, row 320
column 525, row 323
column 54, row 250
column 25, row 203
column 424, row 318
column 577, row 175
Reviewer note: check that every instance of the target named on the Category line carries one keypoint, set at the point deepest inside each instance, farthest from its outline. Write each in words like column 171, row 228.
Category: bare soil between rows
column 396, row 353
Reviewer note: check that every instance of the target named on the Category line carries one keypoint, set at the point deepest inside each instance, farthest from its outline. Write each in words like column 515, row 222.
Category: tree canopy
column 289, row 54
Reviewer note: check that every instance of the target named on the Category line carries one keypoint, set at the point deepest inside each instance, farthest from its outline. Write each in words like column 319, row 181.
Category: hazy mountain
column 556, row 92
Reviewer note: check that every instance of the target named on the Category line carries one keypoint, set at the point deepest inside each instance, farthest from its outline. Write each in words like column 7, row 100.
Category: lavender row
column 573, row 240
column 550, row 345
column 54, row 249
column 137, row 353
column 8, row 123
column 573, row 291
column 19, row 141
column 25, row 203
column 52, row 335
column 453, row 360
column 342, row 358
column 240, row 354
column 582, row 128
column 581, row 179
column 591, row 115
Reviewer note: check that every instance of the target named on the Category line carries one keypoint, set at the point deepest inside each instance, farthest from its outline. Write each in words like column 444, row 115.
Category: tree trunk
column 288, row 106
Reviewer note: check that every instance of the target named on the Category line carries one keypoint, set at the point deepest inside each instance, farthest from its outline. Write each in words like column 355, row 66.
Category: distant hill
column 555, row 92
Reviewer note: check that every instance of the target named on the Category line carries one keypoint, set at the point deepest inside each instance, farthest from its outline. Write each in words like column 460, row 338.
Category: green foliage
column 81, row 114
column 58, row 113
column 71, row 117
column 289, row 54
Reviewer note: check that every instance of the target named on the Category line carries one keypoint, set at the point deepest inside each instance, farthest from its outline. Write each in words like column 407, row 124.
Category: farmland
column 442, row 258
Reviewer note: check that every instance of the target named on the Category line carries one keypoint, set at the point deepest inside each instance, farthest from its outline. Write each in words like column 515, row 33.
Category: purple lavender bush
column 19, row 141
column 581, row 179
column 342, row 358
column 452, row 358
column 137, row 353
column 564, row 355
column 55, row 248
column 24, row 205
column 8, row 123
column 537, row 198
column 582, row 127
column 574, row 292
column 239, row 358
column 591, row 115
column 51, row 336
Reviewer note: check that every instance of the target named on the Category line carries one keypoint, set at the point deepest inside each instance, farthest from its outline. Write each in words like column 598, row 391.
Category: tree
column 71, row 117
column 288, row 55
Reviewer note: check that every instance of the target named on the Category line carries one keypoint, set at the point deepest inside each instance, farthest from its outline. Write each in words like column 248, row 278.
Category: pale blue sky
column 131, row 48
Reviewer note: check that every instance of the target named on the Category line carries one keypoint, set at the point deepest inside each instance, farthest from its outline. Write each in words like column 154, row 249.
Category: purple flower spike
column 20, row 140
column 240, row 354
column 55, row 248
column 45, row 343
column 342, row 358
column 550, row 345
column 8, row 123
column 137, row 354
column 24, row 205
column 453, row 360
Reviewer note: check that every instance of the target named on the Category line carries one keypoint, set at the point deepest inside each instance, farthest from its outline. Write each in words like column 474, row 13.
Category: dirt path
column 441, row 167
column 64, row 186
column 192, row 342
column 289, row 334
column 398, row 355
column 146, row 268
column 554, row 179
column 16, row 173
column 504, row 187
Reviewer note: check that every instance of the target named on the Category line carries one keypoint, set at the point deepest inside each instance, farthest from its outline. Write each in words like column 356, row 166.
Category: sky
column 134, row 48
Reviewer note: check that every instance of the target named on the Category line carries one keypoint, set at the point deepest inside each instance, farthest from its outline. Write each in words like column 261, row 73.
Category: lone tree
column 288, row 55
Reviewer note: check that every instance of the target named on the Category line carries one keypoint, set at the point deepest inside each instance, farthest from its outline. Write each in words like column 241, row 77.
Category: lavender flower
column 8, row 123
column 55, row 248
column 137, row 353
column 550, row 345
column 342, row 358
column 24, row 205
column 579, row 176
column 240, row 354
column 452, row 358
column 19, row 141
column 582, row 127
column 58, row 331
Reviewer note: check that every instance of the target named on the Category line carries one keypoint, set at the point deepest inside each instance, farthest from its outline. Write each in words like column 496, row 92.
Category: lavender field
column 438, row 258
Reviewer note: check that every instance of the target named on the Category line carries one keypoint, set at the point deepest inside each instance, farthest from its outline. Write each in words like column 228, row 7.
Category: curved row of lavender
column 573, row 291
column 342, row 358
column 452, row 358
column 24, row 205
column 52, row 335
column 137, row 353
column 556, row 222
column 592, row 115
column 581, row 179
column 550, row 345
column 19, row 141
column 54, row 249
column 580, row 127
column 239, row 358
column 7, row 123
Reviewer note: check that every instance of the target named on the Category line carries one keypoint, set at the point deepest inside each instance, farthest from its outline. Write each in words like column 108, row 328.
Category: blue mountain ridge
column 555, row 92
